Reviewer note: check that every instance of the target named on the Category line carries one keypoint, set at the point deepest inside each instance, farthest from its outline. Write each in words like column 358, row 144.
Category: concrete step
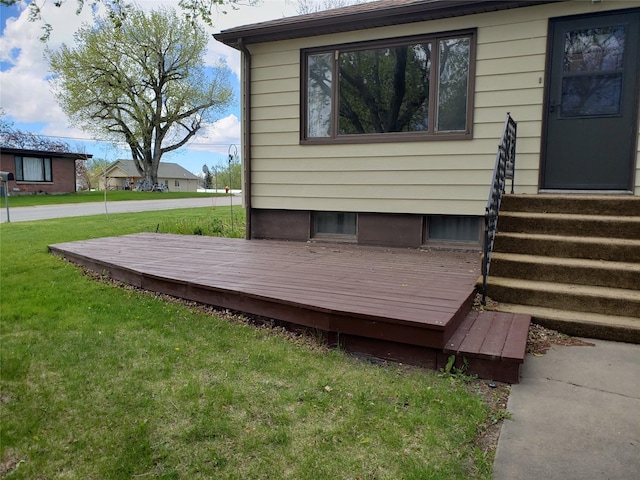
column 596, row 248
column 580, row 324
column 580, row 298
column 570, row 224
column 615, row 205
column 566, row 270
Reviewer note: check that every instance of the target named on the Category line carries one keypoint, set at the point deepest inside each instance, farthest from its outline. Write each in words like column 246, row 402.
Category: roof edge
column 47, row 153
column 357, row 17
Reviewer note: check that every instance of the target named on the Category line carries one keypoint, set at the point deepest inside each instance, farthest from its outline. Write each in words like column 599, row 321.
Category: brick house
column 38, row 171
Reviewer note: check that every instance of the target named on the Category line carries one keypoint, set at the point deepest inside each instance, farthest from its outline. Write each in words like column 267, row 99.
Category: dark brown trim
column 394, row 137
column 545, row 102
column 303, row 94
column 365, row 16
column 546, row 95
column 246, row 140
column 471, row 85
column 417, row 136
column 45, row 153
column 275, row 224
column 400, row 230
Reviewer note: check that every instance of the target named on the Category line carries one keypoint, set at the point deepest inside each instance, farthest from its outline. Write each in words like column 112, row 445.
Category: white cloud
column 62, row 130
column 218, row 136
column 27, row 99
column 26, row 96
column 219, row 51
column 266, row 10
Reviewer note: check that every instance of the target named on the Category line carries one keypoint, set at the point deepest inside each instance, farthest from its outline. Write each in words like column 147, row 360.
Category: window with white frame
column 33, row 169
column 413, row 87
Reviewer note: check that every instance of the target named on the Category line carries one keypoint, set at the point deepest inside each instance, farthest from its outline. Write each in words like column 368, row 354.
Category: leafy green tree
column 304, row 7
column 11, row 137
column 143, row 82
column 117, row 10
column 94, row 170
column 227, row 175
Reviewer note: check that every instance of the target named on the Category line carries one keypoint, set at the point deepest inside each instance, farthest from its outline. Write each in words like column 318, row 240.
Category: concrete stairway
column 570, row 261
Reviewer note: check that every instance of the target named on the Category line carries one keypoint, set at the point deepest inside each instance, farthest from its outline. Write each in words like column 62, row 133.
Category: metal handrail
column 503, row 170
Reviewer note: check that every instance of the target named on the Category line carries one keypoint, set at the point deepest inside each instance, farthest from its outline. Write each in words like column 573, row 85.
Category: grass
column 99, row 381
column 85, row 197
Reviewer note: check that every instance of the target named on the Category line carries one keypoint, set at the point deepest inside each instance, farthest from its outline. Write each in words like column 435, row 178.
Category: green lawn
column 82, row 197
column 104, row 382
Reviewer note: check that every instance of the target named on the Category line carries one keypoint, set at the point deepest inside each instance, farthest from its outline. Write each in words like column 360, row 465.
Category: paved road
column 43, row 212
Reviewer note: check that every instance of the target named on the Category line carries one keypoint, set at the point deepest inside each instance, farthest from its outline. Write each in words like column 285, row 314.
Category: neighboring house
column 123, row 175
column 378, row 123
column 39, row 171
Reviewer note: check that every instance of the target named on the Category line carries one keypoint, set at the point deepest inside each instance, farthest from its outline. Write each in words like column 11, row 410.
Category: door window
column 592, row 71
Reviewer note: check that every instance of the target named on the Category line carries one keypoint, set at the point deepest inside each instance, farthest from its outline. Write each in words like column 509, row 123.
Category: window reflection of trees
column 594, row 49
column 320, row 78
column 453, row 84
column 389, row 89
column 592, row 63
column 385, row 90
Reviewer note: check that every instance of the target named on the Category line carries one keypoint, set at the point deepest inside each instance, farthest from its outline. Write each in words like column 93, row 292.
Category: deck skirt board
column 406, row 304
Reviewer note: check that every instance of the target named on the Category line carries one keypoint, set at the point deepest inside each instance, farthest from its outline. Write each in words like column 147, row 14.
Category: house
column 123, row 175
column 37, row 171
column 379, row 124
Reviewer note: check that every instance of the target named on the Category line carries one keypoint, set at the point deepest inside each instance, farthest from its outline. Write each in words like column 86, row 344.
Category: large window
column 419, row 86
column 33, row 169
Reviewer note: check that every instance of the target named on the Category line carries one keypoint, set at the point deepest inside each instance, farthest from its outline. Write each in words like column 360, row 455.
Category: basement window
column 450, row 228
column 342, row 224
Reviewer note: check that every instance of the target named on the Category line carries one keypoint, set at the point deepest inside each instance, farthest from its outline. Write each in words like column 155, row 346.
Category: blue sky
column 28, row 102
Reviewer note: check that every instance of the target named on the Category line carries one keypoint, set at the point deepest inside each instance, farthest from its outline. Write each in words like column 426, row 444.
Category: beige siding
column 118, row 172
column 438, row 177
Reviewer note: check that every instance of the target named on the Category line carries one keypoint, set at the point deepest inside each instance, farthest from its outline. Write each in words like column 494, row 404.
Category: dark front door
column 592, row 106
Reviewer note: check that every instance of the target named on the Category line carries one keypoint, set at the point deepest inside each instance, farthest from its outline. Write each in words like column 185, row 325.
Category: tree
column 11, row 137
column 226, row 174
column 94, row 169
column 207, row 179
column 143, row 82
column 304, row 7
column 117, row 10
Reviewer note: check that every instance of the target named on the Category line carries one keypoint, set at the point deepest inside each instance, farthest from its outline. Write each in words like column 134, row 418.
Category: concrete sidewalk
column 575, row 415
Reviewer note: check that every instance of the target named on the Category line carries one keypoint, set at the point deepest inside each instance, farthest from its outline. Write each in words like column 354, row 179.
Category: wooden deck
column 395, row 304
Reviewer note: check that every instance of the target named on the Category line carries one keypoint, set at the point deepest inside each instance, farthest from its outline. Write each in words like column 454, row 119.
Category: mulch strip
column 541, row 339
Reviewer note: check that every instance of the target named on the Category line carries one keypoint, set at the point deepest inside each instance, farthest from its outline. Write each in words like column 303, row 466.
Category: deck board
column 399, row 304
column 395, row 285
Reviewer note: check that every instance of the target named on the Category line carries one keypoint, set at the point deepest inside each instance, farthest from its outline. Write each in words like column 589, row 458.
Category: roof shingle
column 362, row 16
